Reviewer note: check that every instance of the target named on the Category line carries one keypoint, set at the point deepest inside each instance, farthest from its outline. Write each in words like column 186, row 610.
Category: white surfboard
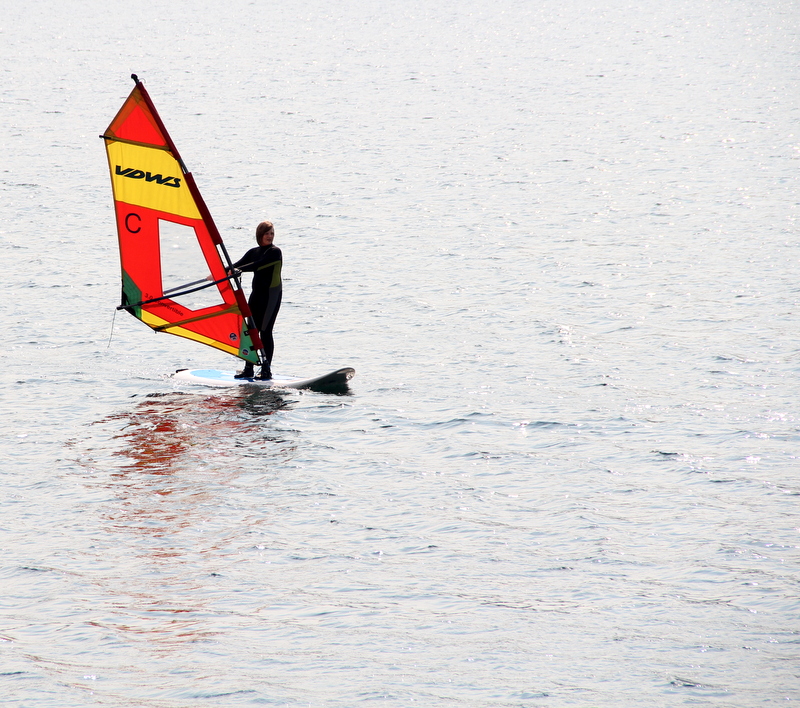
column 215, row 377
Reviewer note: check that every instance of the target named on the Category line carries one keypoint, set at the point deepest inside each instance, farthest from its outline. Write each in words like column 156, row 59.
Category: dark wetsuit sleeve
column 256, row 259
column 246, row 262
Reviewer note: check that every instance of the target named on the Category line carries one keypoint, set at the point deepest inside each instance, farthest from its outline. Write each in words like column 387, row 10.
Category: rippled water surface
column 558, row 243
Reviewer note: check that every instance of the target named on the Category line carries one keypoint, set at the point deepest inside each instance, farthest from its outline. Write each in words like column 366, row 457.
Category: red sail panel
column 168, row 241
column 135, row 121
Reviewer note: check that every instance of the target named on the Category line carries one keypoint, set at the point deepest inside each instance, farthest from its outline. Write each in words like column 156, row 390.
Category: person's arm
column 270, row 255
column 249, row 261
column 228, row 272
column 239, row 266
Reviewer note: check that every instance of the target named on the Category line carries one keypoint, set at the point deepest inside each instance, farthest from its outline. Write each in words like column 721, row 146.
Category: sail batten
column 153, row 191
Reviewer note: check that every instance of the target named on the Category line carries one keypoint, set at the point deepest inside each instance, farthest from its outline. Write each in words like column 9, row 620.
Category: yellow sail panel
column 150, row 178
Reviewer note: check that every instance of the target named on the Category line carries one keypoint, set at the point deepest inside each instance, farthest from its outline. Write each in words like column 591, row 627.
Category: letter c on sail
column 128, row 223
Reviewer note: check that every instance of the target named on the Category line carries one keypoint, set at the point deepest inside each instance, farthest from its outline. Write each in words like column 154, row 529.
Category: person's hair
column 263, row 228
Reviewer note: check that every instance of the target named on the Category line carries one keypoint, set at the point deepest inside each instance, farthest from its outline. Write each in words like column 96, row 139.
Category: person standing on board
column 264, row 262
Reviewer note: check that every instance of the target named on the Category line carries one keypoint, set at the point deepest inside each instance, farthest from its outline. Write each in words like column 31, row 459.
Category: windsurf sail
column 168, row 242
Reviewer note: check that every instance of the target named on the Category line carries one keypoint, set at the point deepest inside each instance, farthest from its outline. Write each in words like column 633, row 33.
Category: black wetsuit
column 265, row 299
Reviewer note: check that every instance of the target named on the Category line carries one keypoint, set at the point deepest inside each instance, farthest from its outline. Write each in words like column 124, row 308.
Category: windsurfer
column 264, row 262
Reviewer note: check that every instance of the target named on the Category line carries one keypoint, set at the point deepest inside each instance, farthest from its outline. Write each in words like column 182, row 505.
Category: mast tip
column 135, row 78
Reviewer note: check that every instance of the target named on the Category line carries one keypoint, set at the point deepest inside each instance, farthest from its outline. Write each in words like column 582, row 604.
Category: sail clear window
column 182, row 263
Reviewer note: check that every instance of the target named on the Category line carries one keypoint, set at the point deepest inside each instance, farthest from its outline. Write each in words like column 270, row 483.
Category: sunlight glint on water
column 558, row 244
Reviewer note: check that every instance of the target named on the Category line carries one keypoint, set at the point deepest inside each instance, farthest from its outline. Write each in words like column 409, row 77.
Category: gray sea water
column 558, row 242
